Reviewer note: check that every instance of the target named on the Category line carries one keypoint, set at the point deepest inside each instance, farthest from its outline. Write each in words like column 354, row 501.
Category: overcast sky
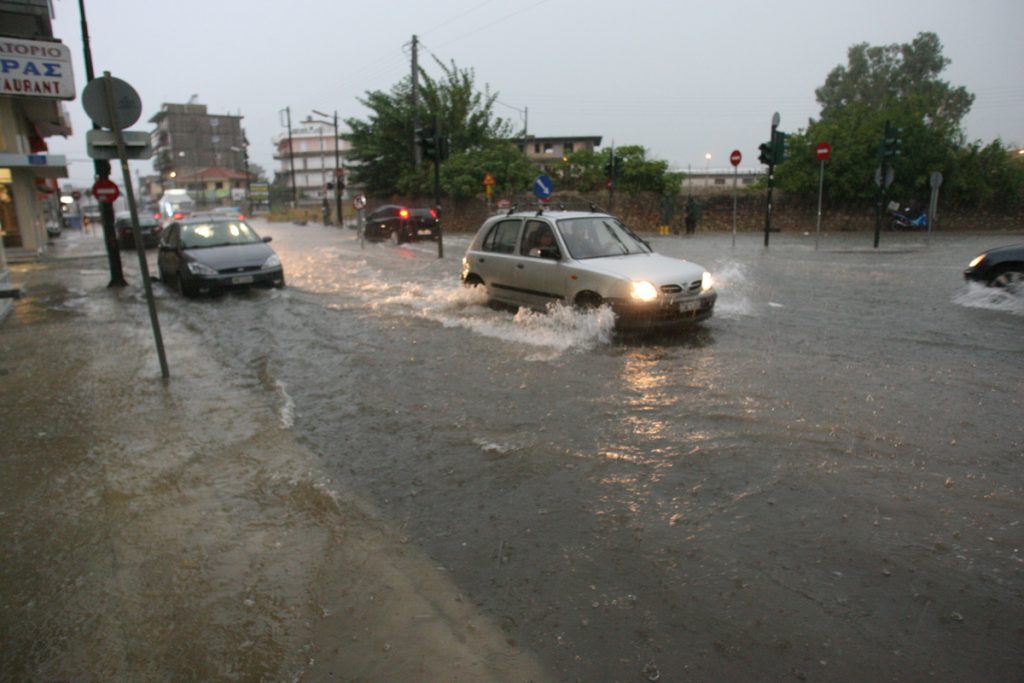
column 683, row 79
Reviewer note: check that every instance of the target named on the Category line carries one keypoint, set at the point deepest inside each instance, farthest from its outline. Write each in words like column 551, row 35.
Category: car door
column 168, row 256
column 497, row 258
column 540, row 276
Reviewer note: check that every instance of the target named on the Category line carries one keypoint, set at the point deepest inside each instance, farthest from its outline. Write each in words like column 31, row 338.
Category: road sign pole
column 821, row 189
column 735, row 184
column 140, row 248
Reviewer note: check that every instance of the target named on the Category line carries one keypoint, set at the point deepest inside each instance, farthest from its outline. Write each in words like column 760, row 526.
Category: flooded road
column 822, row 482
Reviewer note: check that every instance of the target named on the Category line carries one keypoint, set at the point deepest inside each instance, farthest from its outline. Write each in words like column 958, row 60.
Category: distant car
column 401, row 224
column 201, row 255
column 999, row 267
column 149, row 228
column 53, row 229
column 584, row 259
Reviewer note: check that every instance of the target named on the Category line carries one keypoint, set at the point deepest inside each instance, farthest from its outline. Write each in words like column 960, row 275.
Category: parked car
column 585, row 259
column 999, row 267
column 200, row 255
column 53, row 229
column 401, row 224
column 149, row 228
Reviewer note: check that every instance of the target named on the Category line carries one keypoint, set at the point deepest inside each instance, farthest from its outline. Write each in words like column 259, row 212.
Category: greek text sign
column 35, row 68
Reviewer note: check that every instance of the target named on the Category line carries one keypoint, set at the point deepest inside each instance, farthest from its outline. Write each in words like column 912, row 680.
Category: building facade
column 36, row 80
column 204, row 153
column 307, row 161
column 545, row 151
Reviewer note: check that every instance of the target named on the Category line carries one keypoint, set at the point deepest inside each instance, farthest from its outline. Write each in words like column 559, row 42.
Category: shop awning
column 40, row 165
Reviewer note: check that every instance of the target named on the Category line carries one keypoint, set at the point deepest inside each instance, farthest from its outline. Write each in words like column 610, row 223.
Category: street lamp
column 337, row 159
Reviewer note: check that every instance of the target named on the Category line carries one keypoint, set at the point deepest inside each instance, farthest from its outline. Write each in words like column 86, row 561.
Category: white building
column 309, row 158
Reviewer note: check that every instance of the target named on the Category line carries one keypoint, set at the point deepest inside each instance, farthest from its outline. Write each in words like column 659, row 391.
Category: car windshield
column 596, row 237
column 217, row 234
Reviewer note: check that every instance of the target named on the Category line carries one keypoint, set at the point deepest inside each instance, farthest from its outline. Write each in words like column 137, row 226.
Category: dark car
column 200, row 255
column 149, row 228
column 401, row 224
column 999, row 267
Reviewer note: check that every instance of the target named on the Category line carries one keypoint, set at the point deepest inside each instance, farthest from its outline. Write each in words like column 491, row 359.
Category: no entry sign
column 105, row 191
column 735, row 158
column 823, row 150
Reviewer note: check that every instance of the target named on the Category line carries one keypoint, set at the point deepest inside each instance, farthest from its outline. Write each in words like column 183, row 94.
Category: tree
column 382, row 145
column 584, row 171
column 896, row 83
column 462, row 175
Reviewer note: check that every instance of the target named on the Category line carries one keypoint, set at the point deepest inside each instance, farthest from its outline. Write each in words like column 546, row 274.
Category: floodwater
column 822, row 482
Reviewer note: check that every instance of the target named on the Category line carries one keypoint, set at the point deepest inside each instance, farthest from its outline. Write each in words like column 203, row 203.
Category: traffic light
column 425, row 138
column 779, row 147
column 766, row 155
column 442, row 148
column 890, row 142
column 613, row 167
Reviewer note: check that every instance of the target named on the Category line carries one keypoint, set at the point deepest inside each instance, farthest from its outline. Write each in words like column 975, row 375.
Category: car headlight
column 644, row 291
column 197, row 268
column 273, row 261
column 706, row 281
column 976, row 261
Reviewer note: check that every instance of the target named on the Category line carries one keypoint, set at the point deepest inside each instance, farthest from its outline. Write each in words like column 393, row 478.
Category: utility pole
column 291, row 157
column 417, row 153
column 102, row 170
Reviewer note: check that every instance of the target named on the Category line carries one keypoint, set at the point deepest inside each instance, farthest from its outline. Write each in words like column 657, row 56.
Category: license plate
column 688, row 306
column 241, row 280
column 422, row 232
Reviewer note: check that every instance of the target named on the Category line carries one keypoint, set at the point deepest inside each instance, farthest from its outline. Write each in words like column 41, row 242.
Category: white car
column 538, row 258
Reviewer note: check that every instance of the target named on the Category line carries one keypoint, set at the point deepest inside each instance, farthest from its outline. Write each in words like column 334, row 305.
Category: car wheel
column 397, row 237
column 186, row 289
column 1010, row 276
column 588, row 300
column 473, row 281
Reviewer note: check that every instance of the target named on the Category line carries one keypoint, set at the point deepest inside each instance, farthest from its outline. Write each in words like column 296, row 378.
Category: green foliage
column 899, row 84
column 463, row 174
column 383, row 144
column 584, row 171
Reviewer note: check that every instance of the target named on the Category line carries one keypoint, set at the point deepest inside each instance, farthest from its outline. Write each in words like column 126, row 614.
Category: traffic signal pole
column 771, row 182
column 102, row 172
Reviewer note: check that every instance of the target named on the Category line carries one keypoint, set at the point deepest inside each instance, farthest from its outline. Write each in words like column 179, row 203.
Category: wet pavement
column 370, row 475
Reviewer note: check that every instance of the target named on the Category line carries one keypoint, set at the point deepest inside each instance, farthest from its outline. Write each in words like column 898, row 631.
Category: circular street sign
column 105, row 191
column 936, row 180
column 127, row 104
column 359, row 202
column 823, row 150
column 735, row 158
column 776, row 119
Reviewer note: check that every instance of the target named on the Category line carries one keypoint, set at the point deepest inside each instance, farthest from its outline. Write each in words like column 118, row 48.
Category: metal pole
column 337, row 173
column 771, row 180
column 821, row 188
column 291, row 157
column 417, row 153
column 140, row 248
column 102, row 170
column 735, row 182
column 437, row 188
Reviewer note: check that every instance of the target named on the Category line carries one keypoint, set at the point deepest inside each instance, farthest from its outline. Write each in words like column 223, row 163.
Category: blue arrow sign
column 542, row 186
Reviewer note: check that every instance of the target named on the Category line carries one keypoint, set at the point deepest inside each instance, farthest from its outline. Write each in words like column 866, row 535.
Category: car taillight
column 241, row 216
column 433, row 214
column 404, row 213
column 178, row 215
column 156, row 216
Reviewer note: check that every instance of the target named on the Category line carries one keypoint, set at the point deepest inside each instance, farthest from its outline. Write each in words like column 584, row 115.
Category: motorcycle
column 903, row 219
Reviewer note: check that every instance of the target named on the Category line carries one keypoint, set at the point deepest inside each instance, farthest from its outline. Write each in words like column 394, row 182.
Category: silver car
column 535, row 259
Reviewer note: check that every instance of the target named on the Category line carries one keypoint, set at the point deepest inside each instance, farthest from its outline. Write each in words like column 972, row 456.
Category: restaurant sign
column 36, row 68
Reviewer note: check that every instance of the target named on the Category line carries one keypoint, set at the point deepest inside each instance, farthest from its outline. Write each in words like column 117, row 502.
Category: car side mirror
column 267, row 238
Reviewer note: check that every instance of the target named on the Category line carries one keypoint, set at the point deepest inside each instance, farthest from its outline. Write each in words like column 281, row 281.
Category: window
column 502, row 237
column 567, row 148
column 719, row 181
column 549, row 148
column 537, row 235
column 536, row 148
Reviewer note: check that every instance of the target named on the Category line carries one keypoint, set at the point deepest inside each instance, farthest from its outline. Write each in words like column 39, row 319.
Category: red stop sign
column 823, row 150
column 105, row 191
column 735, row 158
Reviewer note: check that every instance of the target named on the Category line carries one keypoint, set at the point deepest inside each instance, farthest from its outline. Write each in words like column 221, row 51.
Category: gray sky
column 682, row 79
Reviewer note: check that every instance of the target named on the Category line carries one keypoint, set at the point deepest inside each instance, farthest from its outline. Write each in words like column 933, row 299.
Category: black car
column 199, row 255
column 999, row 267
column 149, row 228
column 401, row 224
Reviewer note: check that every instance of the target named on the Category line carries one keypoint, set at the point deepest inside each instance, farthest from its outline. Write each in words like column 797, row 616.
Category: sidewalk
column 155, row 531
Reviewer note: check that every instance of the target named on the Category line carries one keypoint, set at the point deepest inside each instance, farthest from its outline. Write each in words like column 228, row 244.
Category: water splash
column 977, row 295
